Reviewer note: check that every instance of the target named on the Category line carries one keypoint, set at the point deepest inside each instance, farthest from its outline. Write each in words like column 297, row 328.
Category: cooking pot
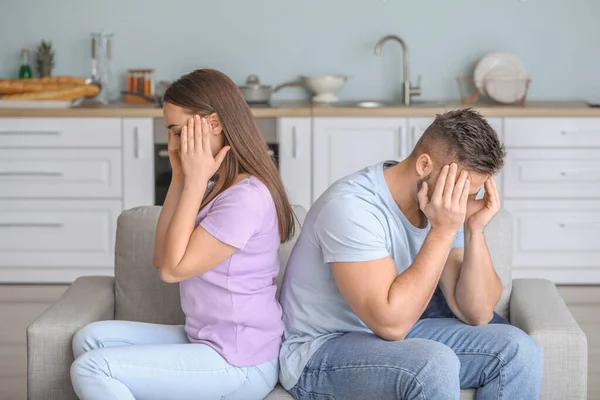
column 256, row 93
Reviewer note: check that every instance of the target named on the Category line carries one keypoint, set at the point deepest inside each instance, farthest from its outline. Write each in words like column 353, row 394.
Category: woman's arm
column 191, row 251
column 166, row 215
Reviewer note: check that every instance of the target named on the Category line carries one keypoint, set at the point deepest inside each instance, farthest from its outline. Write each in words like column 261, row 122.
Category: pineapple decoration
column 45, row 59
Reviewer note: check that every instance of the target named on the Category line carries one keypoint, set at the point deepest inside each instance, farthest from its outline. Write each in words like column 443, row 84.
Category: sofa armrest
column 537, row 308
column 49, row 352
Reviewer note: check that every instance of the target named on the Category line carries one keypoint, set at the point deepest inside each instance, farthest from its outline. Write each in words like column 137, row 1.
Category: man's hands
column 447, row 208
column 197, row 161
column 480, row 212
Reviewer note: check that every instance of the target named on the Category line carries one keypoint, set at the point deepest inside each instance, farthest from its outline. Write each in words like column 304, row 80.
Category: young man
column 390, row 290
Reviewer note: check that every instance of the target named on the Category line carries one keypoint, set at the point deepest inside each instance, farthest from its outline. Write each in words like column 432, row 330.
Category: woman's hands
column 197, row 161
column 174, row 150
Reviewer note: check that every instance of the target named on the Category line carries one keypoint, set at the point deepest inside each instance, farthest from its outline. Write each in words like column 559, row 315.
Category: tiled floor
column 19, row 305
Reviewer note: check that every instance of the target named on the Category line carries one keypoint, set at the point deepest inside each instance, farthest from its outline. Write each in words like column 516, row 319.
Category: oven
column 162, row 166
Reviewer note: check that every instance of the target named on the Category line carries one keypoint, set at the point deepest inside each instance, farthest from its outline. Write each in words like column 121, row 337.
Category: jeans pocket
column 300, row 394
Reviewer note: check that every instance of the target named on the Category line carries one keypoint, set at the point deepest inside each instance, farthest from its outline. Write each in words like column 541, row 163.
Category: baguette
column 9, row 86
column 68, row 93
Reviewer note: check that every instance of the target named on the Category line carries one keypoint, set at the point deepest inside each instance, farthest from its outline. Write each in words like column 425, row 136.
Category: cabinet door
column 138, row 162
column 343, row 146
column 56, row 240
column 295, row 145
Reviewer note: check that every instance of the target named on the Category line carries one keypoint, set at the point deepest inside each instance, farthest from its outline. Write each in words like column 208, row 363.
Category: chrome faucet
column 408, row 89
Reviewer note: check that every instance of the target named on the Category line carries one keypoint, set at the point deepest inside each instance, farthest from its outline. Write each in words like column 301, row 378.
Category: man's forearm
column 412, row 290
column 164, row 219
column 478, row 289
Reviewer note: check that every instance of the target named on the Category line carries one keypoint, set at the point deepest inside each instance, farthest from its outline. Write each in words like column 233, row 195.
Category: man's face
column 477, row 181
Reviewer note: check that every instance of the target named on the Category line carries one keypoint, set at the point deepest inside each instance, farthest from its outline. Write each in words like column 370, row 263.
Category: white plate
column 501, row 86
column 39, row 103
column 513, row 68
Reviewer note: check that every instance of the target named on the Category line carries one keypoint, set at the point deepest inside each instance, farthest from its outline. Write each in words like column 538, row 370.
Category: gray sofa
column 136, row 294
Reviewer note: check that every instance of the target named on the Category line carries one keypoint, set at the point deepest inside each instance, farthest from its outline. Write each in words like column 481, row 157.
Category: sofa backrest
column 141, row 296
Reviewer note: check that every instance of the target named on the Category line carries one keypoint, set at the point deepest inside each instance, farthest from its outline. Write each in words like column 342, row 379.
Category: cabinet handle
column 580, row 225
column 29, row 133
column 163, row 153
column 31, row 225
column 136, row 143
column 413, row 136
column 294, row 147
column 30, row 173
column 400, row 147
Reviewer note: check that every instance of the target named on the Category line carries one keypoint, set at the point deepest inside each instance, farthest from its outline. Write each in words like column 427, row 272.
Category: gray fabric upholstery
column 49, row 352
column 537, row 308
column 137, row 294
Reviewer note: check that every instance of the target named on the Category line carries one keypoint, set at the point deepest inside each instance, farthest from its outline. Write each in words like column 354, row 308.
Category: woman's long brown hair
column 207, row 91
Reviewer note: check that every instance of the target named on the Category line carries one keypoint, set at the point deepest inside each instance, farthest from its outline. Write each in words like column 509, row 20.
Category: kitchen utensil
column 102, row 67
column 325, row 87
column 256, row 93
column 93, row 79
column 470, row 94
column 140, row 82
column 500, row 85
column 510, row 65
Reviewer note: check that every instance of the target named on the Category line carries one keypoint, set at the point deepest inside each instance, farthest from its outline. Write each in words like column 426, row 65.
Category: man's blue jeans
column 439, row 356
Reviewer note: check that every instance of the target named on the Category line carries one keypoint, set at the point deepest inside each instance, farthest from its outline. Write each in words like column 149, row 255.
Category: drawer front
column 60, row 132
column 58, row 233
column 60, row 173
column 552, row 132
column 549, row 173
column 555, row 233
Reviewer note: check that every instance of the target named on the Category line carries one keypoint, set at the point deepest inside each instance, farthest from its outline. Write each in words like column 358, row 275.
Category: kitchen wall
column 281, row 39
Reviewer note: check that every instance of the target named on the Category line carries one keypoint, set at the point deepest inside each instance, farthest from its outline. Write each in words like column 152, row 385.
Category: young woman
column 218, row 234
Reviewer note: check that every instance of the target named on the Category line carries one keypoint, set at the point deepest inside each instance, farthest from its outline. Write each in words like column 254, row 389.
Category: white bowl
column 325, row 87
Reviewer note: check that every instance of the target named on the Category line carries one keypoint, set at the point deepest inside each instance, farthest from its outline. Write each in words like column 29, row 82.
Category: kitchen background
column 281, row 39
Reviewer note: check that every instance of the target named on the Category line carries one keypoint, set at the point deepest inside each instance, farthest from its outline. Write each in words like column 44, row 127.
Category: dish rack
column 472, row 92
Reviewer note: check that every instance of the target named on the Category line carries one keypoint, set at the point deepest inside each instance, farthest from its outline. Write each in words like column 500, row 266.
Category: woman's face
column 177, row 117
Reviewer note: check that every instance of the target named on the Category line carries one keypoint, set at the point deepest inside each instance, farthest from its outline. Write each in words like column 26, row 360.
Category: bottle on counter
column 25, row 71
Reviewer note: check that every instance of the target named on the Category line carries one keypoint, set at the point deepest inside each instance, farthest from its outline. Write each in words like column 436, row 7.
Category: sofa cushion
column 140, row 295
column 498, row 236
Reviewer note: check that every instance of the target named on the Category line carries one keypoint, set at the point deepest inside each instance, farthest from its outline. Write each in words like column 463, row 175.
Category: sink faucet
column 408, row 89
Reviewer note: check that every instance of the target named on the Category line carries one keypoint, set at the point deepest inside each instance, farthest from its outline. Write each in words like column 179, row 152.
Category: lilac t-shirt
column 232, row 308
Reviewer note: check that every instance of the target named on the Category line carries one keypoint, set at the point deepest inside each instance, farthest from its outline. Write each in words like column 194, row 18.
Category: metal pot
column 255, row 93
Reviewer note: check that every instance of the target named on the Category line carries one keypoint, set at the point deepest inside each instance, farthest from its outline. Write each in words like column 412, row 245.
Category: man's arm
column 388, row 303
column 469, row 282
column 353, row 241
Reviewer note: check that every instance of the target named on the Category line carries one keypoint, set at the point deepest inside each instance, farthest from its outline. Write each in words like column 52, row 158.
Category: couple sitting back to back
column 389, row 291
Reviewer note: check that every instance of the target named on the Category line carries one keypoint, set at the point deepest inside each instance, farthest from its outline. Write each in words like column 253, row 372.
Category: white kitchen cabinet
column 60, row 132
column 138, row 162
column 552, row 189
column 58, row 240
column 343, row 146
column 60, row 173
column 556, row 239
column 295, row 158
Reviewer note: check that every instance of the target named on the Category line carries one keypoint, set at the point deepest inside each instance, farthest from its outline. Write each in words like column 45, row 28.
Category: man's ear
column 215, row 124
column 424, row 165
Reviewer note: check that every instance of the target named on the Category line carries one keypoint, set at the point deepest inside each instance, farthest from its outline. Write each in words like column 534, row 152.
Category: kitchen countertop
column 342, row 109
